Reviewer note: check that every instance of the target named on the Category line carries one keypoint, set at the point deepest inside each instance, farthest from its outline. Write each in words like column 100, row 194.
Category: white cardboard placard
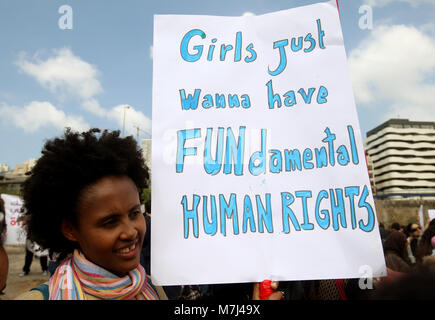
column 268, row 143
column 15, row 232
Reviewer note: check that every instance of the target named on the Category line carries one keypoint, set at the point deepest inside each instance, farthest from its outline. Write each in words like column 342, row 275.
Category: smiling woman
column 83, row 202
column 110, row 226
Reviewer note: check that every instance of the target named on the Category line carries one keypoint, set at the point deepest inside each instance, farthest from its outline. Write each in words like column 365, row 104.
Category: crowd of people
column 83, row 204
column 409, row 247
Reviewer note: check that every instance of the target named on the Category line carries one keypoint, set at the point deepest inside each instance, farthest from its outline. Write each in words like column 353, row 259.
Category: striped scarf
column 76, row 276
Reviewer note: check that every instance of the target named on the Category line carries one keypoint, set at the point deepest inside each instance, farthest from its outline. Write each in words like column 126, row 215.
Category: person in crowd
column 32, row 249
column 395, row 226
column 145, row 255
column 425, row 247
column 28, row 259
column 4, row 260
column 384, row 233
column 395, row 250
column 428, row 262
column 52, row 263
column 172, row 292
column 148, row 208
column 413, row 232
column 83, row 201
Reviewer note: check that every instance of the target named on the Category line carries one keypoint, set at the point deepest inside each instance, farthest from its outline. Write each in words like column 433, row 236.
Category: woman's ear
column 68, row 230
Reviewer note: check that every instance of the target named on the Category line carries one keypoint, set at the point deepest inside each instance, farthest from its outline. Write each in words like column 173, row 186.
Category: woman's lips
column 128, row 252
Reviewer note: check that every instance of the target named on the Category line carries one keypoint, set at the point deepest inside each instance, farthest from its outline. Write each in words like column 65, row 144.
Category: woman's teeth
column 127, row 250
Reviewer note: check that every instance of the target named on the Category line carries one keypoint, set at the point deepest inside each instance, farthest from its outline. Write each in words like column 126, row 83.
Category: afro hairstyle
column 67, row 166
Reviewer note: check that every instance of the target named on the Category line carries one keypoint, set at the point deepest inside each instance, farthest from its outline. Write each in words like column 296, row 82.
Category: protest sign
column 258, row 164
column 431, row 214
column 15, row 233
column 421, row 215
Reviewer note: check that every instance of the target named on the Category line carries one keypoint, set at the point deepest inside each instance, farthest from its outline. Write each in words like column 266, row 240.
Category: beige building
column 403, row 156
column 146, row 152
column 21, row 169
column 4, row 167
column 371, row 170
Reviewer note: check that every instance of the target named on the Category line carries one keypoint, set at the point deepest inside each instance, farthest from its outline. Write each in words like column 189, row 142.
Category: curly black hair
column 68, row 165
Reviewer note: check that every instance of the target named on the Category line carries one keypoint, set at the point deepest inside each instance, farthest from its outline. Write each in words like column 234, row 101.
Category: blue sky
column 83, row 77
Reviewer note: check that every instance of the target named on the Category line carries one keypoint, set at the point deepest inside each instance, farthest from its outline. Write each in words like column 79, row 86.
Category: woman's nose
column 129, row 232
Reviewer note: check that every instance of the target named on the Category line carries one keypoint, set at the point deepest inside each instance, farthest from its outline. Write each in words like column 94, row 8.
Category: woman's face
column 110, row 225
column 415, row 230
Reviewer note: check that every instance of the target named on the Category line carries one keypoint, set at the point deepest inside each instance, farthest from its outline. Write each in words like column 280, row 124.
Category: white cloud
column 133, row 119
column 65, row 74
column 38, row 114
column 395, row 68
column 93, row 106
column 412, row 3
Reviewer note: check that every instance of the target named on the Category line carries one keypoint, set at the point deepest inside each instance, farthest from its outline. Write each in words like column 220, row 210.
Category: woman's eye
column 110, row 223
column 136, row 213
